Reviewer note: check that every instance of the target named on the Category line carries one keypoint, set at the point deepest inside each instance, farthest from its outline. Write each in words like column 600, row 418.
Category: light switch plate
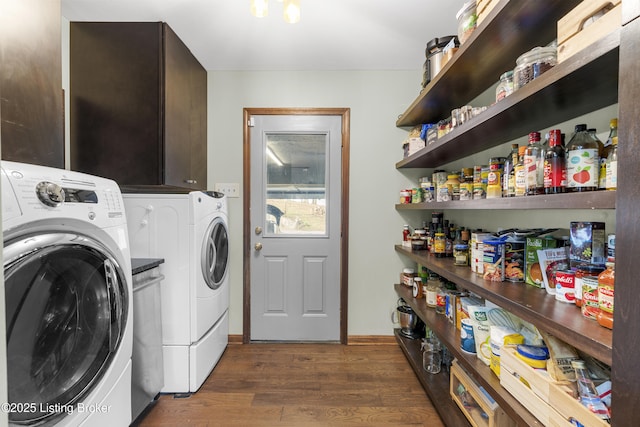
column 230, row 189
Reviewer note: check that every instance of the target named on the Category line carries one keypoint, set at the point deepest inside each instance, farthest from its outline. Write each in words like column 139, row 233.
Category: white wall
column 375, row 98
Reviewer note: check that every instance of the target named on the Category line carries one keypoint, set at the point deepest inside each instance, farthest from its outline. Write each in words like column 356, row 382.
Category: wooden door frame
column 345, row 114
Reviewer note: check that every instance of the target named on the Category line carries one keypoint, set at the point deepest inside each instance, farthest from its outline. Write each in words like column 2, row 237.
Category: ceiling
column 331, row 35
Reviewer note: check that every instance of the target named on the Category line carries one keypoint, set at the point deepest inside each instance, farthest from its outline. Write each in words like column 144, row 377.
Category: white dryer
column 67, row 276
column 190, row 232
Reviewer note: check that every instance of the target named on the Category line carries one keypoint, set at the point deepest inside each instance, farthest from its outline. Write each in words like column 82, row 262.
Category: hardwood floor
column 302, row 385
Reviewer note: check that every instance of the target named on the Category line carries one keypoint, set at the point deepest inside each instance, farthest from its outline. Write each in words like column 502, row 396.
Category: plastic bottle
column 406, row 233
column 507, row 178
column 534, row 165
column 582, row 161
column 519, row 174
column 555, row 168
column 440, row 244
column 611, row 181
column 589, row 396
column 606, row 281
column 602, row 159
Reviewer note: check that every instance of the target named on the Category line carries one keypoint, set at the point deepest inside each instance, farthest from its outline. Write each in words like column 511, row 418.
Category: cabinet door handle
column 190, row 181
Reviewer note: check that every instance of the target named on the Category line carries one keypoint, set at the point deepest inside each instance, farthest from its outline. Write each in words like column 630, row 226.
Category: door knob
column 258, row 230
column 258, row 246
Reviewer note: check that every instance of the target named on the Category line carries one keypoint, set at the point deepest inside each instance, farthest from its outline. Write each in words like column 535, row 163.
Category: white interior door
column 295, row 227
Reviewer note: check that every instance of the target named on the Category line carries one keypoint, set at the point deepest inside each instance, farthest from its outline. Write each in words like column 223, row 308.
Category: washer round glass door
column 66, row 306
column 215, row 253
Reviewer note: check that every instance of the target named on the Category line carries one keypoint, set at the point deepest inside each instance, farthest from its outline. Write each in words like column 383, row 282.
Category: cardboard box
column 525, row 382
column 588, row 22
column 534, row 274
column 483, row 7
column 475, row 403
column 587, row 243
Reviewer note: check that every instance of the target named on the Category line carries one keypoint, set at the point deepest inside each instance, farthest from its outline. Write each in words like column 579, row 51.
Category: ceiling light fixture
column 260, row 8
column 291, row 9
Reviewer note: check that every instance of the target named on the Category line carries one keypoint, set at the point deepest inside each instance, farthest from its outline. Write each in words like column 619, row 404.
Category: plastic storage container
column 467, row 20
column 533, row 64
column 505, row 85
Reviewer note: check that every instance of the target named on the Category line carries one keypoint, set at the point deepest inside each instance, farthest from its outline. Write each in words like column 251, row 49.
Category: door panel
column 295, row 227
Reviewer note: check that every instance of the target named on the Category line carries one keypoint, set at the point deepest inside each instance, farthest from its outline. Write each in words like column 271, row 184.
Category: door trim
column 345, row 113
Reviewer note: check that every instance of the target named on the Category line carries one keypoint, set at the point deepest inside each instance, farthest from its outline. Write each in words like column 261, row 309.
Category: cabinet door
column 115, row 94
column 31, row 82
column 185, row 115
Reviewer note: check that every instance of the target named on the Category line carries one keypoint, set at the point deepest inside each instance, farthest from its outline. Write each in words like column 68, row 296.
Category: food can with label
column 565, row 286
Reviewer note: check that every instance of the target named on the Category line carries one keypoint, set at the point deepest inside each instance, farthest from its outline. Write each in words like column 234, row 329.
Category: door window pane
column 296, row 184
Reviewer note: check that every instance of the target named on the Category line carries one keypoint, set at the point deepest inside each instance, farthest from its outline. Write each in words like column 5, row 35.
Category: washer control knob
column 50, row 194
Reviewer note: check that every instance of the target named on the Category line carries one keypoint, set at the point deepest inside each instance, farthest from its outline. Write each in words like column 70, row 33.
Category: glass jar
column 466, row 184
column 467, row 18
column 453, row 186
column 406, row 277
column 431, row 295
column 505, row 85
column 419, row 240
column 581, row 272
column 606, row 281
column 418, row 290
column 533, row 64
column 440, row 244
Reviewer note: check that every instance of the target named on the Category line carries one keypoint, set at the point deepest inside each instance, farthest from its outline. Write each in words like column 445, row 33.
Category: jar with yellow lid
column 453, row 186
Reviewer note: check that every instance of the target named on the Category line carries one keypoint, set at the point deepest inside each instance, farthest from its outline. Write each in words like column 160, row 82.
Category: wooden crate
column 553, row 404
column 479, row 408
column 483, row 7
column 573, row 35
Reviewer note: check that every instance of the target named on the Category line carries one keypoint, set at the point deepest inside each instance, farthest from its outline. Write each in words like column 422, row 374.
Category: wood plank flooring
column 302, row 385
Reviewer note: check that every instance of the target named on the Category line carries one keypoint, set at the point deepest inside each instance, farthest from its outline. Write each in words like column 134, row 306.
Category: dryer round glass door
column 215, row 253
column 66, row 306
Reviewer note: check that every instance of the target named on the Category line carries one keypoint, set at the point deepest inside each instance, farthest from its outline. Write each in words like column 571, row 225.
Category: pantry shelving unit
column 579, row 85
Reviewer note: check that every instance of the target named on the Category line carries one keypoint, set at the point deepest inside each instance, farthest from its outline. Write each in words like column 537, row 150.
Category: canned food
column 565, row 286
column 590, row 304
column 611, row 247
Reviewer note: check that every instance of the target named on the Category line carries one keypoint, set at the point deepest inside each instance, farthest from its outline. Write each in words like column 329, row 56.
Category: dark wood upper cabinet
column 138, row 106
column 31, row 100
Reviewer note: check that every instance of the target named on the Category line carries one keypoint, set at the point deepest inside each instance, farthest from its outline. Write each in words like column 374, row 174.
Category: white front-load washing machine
column 190, row 232
column 67, row 276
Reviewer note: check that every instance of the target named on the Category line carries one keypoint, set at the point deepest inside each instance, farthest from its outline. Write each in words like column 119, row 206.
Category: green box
column 534, row 273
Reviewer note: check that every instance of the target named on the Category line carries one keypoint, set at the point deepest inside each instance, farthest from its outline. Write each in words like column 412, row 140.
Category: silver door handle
column 190, row 181
column 258, row 246
column 258, row 230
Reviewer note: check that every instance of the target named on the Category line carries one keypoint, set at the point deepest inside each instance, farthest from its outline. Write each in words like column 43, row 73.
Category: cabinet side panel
column 115, row 101
column 31, row 82
column 626, row 339
column 198, row 85
column 181, row 137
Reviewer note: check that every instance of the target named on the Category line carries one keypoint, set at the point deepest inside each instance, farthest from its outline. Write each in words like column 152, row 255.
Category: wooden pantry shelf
column 450, row 337
column 556, row 96
column 527, row 302
column 435, row 385
column 584, row 200
column 509, row 30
